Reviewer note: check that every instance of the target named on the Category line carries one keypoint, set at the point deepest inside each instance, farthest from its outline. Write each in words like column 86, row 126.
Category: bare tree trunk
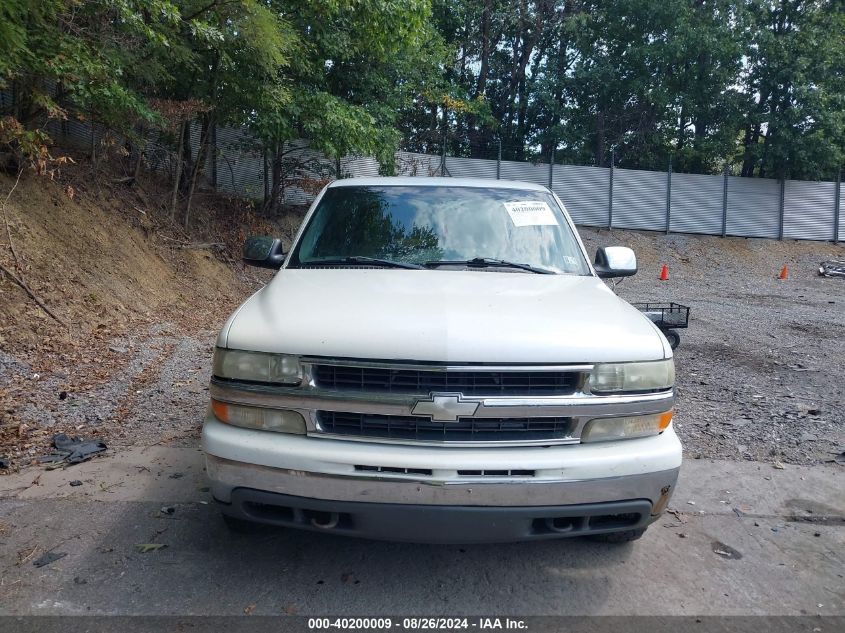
column 138, row 162
column 139, row 147
column 207, row 122
column 276, row 199
column 187, row 160
column 600, row 139
column 93, row 145
column 177, row 176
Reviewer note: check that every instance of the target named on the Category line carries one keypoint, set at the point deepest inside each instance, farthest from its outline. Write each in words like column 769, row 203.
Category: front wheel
column 673, row 337
column 619, row 537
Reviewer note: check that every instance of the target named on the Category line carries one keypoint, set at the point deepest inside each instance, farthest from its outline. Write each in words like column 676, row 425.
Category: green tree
column 795, row 88
column 357, row 64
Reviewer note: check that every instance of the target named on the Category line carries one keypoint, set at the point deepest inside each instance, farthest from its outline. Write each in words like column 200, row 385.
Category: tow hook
column 330, row 523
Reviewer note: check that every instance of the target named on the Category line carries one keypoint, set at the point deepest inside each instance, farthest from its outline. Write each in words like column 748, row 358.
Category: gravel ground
column 760, row 370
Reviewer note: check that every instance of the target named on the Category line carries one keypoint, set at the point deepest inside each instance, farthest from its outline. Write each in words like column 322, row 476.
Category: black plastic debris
column 5, row 463
column 832, row 268
column 72, row 450
column 47, row 558
column 75, row 483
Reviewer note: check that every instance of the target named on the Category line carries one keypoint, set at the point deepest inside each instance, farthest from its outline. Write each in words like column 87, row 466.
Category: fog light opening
column 561, row 524
column 325, row 520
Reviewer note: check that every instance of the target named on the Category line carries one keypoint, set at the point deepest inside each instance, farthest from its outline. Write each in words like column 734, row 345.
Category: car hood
column 442, row 315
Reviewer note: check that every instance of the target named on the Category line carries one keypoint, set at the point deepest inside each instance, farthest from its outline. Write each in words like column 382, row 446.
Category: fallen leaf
column 149, row 547
column 249, row 609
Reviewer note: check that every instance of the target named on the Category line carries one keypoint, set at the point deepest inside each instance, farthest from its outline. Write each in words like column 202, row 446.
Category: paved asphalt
column 748, row 539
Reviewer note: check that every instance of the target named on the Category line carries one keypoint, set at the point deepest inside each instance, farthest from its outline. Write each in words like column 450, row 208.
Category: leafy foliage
column 757, row 85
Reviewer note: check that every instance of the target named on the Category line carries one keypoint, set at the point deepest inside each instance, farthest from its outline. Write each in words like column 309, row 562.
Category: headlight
column 279, row 420
column 632, row 377
column 603, row 429
column 257, row 366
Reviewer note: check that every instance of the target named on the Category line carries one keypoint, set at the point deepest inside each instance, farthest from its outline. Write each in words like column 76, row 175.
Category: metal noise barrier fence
column 594, row 196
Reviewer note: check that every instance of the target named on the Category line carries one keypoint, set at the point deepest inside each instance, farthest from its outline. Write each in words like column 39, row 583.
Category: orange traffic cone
column 784, row 273
column 664, row 273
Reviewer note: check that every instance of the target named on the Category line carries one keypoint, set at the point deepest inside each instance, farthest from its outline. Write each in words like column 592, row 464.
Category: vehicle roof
column 434, row 181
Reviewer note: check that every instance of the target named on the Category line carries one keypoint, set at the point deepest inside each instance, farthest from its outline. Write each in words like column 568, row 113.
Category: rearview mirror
column 615, row 261
column 264, row 251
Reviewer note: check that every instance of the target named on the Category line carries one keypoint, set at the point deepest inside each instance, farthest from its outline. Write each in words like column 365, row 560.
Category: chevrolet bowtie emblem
column 445, row 407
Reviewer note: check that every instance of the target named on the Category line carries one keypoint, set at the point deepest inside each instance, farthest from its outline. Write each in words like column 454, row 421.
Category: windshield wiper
column 489, row 262
column 358, row 260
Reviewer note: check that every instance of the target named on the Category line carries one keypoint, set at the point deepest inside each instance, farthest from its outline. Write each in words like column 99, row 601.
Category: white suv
column 438, row 361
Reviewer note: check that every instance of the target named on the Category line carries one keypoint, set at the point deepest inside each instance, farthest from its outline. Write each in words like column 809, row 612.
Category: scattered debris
column 47, row 558
column 72, row 450
column 832, row 268
column 168, row 510
column 177, row 475
column 145, row 548
column 739, row 512
column 75, row 482
column 677, row 514
column 26, row 554
column 725, row 551
column 5, row 463
column 778, row 465
column 249, row 609
column 838, row 459
column 692, row 503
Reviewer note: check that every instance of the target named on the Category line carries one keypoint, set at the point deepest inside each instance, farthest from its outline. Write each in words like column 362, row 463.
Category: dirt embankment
column 108, row 261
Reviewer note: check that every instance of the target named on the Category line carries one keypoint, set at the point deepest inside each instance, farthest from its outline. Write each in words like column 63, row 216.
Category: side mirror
column 264, row 252
column 615, row 261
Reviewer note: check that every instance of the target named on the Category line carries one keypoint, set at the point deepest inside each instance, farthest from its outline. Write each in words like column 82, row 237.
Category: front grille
column 469, row 383
column 399, row 427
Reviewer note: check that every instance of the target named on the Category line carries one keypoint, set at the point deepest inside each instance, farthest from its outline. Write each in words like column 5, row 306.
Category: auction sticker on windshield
column 530, row 213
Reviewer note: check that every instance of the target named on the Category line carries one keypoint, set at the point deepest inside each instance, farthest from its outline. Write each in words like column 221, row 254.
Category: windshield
column 422, row 225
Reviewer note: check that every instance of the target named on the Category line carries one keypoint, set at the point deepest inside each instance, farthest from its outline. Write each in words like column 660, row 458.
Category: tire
column 240, row 526
column 673, row 337
column 619, row 537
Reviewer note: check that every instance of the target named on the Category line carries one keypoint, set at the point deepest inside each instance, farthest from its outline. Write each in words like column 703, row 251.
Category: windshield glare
column 418, row 224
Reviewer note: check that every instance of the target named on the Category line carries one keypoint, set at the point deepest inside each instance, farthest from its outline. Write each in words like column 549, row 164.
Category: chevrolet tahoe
column 438, row 360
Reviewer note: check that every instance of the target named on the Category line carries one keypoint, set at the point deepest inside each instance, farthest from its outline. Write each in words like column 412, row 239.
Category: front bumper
column 438, row 524
column 421, row 493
